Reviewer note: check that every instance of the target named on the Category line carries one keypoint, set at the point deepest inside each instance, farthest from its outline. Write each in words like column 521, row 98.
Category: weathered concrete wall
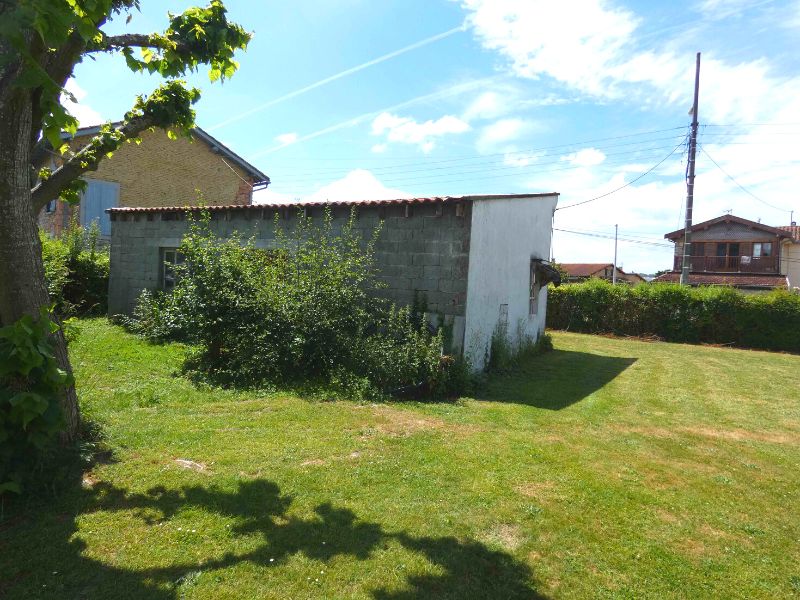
column 505, row 235
column 425, row 249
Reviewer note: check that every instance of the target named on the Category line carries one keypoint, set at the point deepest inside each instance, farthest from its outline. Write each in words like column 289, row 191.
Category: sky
column 358, row 99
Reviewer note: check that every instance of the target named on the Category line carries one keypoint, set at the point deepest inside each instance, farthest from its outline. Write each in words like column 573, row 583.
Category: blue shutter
column 99, row 196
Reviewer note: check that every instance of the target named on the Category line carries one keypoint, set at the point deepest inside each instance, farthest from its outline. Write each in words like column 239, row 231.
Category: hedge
column 715, row 315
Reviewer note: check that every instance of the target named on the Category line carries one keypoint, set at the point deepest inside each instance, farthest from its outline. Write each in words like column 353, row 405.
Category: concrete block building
column 158, row 171
column 481, row 262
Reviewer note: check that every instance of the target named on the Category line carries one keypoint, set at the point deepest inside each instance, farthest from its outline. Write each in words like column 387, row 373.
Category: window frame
column 762, row 246
column 535, row 288
column 169, row 258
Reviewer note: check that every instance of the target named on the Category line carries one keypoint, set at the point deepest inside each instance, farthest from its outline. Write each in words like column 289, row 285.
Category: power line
column 744, row 189
column 611, row 237
column 449, row 171
column 409, row 182
column 650, row 170
column 476, row 156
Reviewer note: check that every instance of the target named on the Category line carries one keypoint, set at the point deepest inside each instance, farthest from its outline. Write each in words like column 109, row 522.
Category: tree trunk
column 22, row 285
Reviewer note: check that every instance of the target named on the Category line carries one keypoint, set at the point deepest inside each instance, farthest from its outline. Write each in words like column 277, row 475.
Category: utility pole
column 614, row 269
column 687, row 232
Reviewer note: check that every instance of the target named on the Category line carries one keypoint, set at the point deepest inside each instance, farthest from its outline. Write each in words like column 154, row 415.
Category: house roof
column 739, row 280
column 674, row 235
column 256, row 207
column 217, row 147
column 792, row 230
column 584, row 269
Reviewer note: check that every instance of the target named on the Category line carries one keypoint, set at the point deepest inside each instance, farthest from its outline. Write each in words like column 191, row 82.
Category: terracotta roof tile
column 583, row 269
column 426, row 200
column 793, row 230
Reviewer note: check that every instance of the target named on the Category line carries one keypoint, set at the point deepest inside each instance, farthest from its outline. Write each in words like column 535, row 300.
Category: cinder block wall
column 426, row 249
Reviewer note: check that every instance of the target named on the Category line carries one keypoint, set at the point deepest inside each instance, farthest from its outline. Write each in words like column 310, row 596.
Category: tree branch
column 87, row 159
column 131, row 40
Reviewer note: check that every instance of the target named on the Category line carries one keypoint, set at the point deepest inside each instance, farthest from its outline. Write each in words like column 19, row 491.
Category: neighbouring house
column 790, row 255
column 184, row 171
column 736, row 252
column 577, row 272
column 479, row 261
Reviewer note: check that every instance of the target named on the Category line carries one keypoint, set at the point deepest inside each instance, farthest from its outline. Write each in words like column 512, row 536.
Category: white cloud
column 85, row 114
column 502, row 133
column 588, row 157
column 359, row 184
column 406, row 130
column 489, row 105
column 287, row 138
column 380, row 148
column 591, row 47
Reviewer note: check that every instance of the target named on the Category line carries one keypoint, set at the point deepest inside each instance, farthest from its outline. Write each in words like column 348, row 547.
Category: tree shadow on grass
column 42, row 555
column 556, row 379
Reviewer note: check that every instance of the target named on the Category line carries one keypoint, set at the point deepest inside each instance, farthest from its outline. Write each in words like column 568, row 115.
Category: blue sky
column 507, row 96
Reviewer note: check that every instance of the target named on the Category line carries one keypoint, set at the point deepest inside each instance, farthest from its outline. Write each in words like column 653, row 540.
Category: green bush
column 716, row 315
column 76, row 269
column 305, row 310
column 30, row 382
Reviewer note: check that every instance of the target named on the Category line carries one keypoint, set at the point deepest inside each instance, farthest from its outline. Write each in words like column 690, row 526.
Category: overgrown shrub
column 304, row 310
column 717, row 315
column 76, row 269
column 30, row 384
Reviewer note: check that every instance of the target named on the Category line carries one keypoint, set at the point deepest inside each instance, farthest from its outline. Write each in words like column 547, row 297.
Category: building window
column 698, row 248
column 536, row 286
column 170, row 258
column 51, row 206
column 762, row 249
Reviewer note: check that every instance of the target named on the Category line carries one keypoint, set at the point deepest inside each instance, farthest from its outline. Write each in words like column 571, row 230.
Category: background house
column 159, row 171
column 577, row 272
column 790, row 255
column 730, row 250
column 479, row 261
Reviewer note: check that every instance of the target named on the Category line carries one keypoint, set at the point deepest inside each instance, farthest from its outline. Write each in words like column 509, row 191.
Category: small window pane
column 766, row 249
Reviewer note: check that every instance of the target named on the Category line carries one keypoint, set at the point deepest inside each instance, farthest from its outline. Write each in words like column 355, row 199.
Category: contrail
column 451, row 91
column 327, row 80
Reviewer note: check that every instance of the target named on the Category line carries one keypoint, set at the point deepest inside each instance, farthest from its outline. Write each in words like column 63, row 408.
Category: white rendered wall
column 790, row 263
column 506, row 234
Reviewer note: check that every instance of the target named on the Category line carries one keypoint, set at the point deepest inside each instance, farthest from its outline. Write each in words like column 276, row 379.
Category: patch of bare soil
column 403, row 423
column 541, row 490
column 192, row 465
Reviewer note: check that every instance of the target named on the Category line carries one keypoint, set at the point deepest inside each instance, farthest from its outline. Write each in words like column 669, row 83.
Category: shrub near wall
column 716, row 315
column 76, row 268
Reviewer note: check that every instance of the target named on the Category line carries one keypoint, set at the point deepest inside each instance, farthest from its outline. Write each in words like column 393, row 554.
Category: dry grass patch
column 507, row 535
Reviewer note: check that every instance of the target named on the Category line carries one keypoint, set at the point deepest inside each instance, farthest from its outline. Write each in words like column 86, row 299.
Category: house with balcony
column 736, row 252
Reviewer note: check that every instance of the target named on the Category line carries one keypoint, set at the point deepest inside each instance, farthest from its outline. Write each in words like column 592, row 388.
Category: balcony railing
column 730, row 264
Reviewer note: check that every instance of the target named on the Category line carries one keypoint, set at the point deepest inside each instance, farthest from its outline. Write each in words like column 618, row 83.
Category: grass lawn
column 606, row 468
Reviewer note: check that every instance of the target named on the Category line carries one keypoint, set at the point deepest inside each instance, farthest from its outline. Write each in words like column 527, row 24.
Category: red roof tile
column 793, row 230
column 743, row 280
column 428, row 200
column 583, row 269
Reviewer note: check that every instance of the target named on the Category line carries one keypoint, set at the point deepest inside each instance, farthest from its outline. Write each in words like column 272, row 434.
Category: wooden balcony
column 730, row 264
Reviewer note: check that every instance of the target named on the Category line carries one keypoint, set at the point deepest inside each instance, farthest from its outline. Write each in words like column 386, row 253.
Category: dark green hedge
column 716, row 315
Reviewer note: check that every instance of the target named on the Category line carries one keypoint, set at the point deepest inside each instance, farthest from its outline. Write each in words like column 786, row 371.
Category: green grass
column 606, row 468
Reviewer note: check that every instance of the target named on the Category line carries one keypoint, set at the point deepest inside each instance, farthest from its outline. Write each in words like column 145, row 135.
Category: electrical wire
column 744, row 189
column 631, row 182
column 611, row 237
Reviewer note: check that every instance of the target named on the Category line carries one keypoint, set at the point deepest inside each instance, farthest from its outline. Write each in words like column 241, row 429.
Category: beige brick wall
column 165, row 172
